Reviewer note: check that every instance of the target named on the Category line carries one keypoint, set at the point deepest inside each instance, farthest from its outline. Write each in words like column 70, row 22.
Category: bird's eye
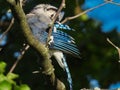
column 52, row 16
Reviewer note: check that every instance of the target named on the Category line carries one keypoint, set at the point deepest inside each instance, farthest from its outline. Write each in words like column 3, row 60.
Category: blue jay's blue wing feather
column 62, row 26
column 64, row 42
column 68, row 45
column 62, row 36
column 67, row 48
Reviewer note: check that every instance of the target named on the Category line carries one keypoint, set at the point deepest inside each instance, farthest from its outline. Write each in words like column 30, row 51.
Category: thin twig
column 118, row 4
column 8, row 29
column 112, row 43
column 54, row 19
column 112, row 2
column 118, row 49
column 78, row 15
column 1, row 49
column 19, row 58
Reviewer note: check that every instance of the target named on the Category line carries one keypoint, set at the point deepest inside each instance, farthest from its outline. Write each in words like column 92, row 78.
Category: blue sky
column 108, row 15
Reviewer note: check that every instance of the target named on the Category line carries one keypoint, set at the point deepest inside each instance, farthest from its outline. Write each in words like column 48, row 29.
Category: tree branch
column 7, row 30
column 115, row 3
column 46, row 65
column 118, row 49
column 84, row 12
column 54, row 19
column 19, row 58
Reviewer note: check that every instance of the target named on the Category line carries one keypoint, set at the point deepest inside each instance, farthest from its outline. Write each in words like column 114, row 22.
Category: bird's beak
column 61, row 16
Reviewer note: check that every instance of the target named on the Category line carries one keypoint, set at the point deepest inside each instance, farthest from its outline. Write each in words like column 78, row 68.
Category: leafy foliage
column 7, row 81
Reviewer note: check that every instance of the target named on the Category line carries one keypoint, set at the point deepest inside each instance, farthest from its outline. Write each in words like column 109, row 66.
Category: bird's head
column 47, row 10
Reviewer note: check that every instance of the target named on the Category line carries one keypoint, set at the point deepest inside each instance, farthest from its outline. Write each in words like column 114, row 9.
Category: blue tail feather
column 69, row 78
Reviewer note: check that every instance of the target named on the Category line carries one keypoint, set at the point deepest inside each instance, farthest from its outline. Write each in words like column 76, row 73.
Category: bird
column 60, row 43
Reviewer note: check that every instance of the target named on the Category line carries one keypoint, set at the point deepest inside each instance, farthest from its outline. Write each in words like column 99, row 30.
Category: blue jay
column 60, row 42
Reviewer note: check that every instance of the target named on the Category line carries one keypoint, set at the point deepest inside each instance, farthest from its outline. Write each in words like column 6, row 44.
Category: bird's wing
column 64, row 42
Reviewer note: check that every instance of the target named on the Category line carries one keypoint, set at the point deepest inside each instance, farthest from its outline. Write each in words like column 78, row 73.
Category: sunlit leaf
column 5, row 85
column 24, row 87
column 12, row 76
column 2, row 77
column 2, row 67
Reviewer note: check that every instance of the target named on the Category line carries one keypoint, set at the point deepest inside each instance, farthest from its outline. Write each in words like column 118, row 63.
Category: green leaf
column 5, row 85
column 2, row 67
column 2, row 77
column 84, row 17
column 24, row 87
column 12, row 76
column 16, row 87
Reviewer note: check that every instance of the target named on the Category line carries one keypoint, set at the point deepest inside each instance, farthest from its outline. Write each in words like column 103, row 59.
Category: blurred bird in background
column 39, row 20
